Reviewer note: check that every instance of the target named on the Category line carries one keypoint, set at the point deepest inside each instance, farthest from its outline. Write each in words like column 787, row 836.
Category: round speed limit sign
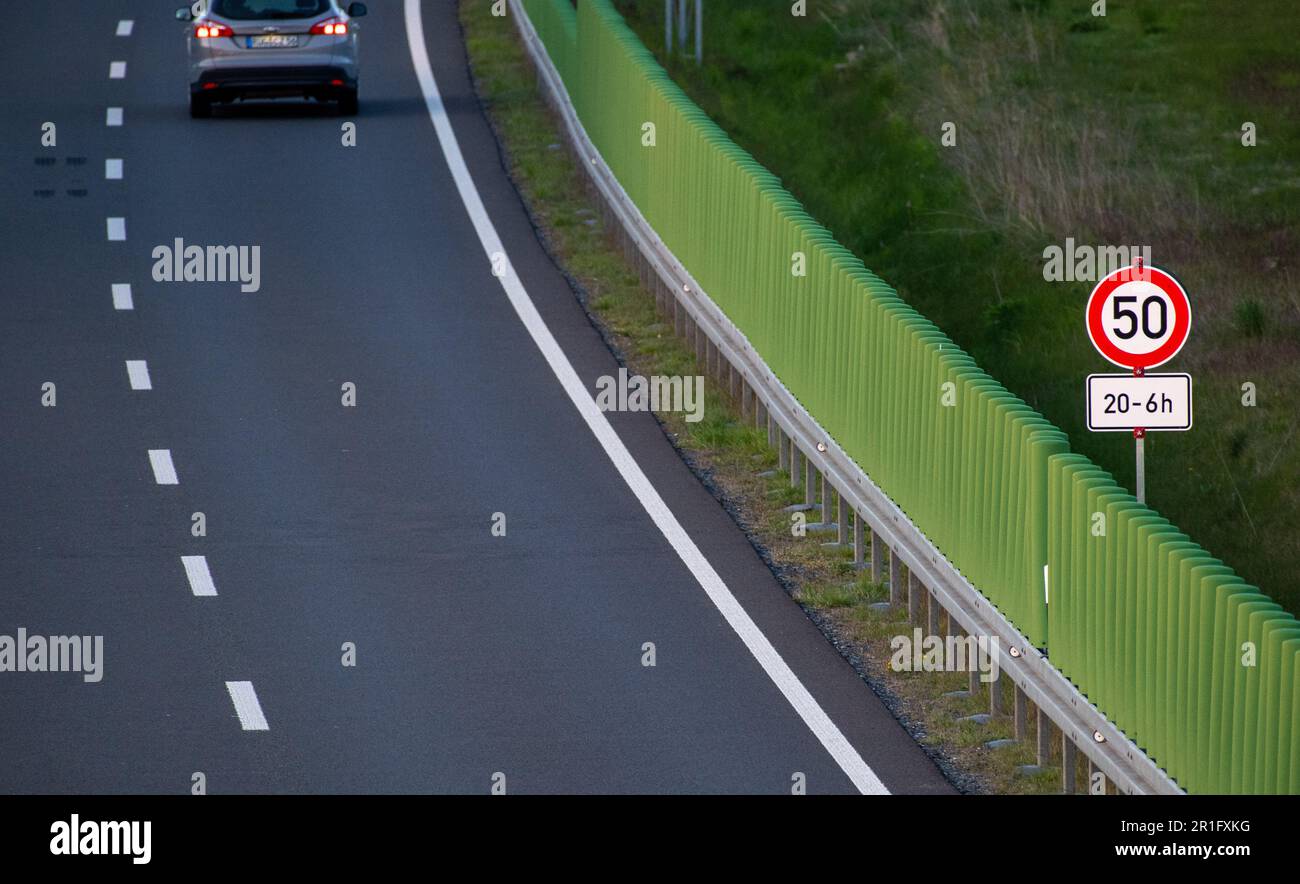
column 1139, row 317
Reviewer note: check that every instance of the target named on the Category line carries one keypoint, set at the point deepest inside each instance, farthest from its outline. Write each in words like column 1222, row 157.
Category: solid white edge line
column 840, row 749
column 164, row 471
column 196, row 571
column 122, row 299
column 113, row 117
column 116, row 229
column 113, row 170
column 137, row 370
column 125, row 27
column 246, row 706
column 117, row 70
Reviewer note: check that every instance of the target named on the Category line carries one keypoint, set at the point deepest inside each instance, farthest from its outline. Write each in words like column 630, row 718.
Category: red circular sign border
column 1162, row 280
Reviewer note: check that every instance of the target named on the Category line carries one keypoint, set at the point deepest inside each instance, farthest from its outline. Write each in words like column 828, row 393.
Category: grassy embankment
column 1125, row 129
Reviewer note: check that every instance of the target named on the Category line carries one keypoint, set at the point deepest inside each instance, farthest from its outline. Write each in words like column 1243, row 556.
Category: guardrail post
column 1096, row 779
column 1069, row 757
column 914, row 587
column 795, row 476
column 782, row 448
column 995, row 694
column 1044, row 738
column 859, row 541
column 827, row 519
column 877, row 556
column 897, row 591
column 933, row 609
column 809, row 483
column 842, row 507
column 1022, row 714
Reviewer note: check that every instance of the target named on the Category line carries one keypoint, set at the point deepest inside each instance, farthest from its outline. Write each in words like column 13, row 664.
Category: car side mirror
column 184, row 14
column 356, row 10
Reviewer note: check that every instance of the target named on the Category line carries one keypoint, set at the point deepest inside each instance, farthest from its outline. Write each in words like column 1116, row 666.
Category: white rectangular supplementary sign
column 1123, row 402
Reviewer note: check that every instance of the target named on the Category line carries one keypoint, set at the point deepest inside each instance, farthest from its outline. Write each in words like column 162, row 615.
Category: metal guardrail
column 1081, row 724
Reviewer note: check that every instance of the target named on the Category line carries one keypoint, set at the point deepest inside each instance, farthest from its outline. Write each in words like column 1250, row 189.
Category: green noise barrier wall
column 1195, row 666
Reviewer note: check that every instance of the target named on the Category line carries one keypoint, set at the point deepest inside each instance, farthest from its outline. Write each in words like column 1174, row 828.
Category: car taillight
column 206, row 29
column 331, row 27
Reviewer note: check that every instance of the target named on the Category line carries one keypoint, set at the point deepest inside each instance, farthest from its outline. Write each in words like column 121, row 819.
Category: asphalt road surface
column 327, row 524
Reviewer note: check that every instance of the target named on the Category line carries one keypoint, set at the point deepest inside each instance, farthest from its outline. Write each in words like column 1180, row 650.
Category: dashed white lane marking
column 125, row 27
column 117, row 70
column 113, row 170
column 816, row 719
column 116, row 229
column 138, row 371
column 246, row 706
column 122, row 296
column 163, row 470
column 113, row 117
column 196, row 569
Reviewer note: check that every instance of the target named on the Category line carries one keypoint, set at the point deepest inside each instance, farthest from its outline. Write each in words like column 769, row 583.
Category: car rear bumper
column 227, row 83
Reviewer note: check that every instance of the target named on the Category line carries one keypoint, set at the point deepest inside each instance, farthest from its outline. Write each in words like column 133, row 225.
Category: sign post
column 1138, row 318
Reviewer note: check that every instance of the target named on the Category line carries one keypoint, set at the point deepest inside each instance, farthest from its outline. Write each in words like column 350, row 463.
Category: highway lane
column 329, row 524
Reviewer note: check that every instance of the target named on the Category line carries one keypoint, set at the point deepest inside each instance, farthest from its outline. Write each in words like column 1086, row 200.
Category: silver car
column 272, row 48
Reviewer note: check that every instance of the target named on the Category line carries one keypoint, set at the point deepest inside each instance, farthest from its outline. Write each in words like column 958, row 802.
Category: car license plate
column 273, row 41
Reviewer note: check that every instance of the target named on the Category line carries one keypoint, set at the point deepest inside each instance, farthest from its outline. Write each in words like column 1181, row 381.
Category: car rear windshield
column 260, row 10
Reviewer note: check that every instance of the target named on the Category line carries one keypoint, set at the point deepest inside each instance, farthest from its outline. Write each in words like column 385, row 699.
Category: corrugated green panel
column 1143, row 621
column 556, row 24
column 1271, row 758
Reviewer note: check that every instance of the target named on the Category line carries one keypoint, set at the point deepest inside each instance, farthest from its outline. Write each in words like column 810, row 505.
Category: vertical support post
column 1044, row 738
column 699, row 31
column 681, row 25
column 1022, row 714
column 782, row 449
column 809, row 483
column 1069, row 758
column 1139, row 439
column 933, row 610
column 898, row 594
column 995, row 696
column 842, row 506
column 827, row 518
column 668, row 27
column 877, row 557
column 859, row 540
column 795, row 477
column 1096, row 779
column 896, row 584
